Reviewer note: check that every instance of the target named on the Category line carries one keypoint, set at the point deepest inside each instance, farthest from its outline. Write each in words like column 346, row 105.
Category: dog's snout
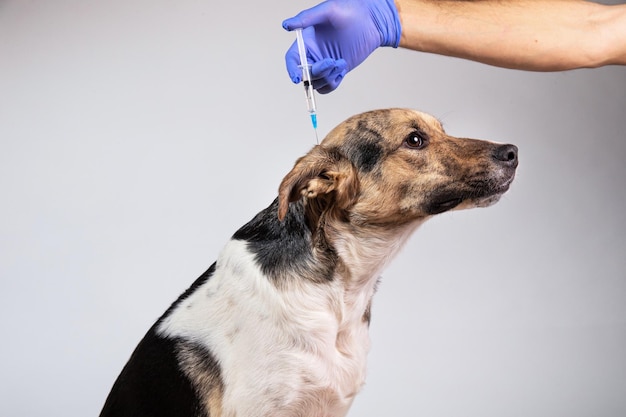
column 507, row 155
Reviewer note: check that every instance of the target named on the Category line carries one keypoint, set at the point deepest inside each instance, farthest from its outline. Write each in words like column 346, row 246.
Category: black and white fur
column 278, row 325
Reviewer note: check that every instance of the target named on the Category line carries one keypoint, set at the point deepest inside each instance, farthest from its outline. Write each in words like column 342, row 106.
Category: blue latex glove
column 339, row 35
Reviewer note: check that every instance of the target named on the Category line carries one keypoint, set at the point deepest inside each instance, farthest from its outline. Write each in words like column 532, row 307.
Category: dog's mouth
column 444, row 205
column 479, row 196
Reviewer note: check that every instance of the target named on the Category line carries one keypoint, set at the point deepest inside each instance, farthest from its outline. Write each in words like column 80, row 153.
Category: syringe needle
column 314, row 123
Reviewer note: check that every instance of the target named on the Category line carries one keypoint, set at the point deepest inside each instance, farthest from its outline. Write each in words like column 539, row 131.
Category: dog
column 278, row 325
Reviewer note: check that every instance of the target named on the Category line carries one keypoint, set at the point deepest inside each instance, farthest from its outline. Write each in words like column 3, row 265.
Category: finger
column 321, row 69
column 320, row 72
column 292, row 61
column 328, row 74
column 331, row 86
column 335, row 78
column 314, row 16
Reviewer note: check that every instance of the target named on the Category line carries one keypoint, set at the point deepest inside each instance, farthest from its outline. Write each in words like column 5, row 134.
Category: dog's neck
column 363, row 252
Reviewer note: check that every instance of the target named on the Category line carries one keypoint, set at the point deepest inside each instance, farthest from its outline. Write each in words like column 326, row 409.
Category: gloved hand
column 339, row 35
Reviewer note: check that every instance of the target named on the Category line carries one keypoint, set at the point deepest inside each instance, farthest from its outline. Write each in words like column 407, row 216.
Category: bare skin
column 535, row 35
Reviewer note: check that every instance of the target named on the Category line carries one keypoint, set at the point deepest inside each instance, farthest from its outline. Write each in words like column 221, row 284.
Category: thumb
column 310, row 17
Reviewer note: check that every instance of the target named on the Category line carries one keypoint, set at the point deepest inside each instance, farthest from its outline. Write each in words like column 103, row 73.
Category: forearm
column 540, row 35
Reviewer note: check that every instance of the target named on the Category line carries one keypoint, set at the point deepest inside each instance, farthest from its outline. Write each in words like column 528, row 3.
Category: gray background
column 137, row 135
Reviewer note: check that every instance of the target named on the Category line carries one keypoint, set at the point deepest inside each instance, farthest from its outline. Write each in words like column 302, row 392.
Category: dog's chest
column 290, row 351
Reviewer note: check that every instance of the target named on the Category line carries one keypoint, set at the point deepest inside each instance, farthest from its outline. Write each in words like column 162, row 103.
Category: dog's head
column 393, row 166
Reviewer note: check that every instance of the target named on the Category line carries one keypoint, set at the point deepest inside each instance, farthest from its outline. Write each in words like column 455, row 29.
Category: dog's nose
column 507, row 155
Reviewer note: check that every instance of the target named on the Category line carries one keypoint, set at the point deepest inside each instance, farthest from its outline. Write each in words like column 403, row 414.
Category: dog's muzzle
column 483, row 190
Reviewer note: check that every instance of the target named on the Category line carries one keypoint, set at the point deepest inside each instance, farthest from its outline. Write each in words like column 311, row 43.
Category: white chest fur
column 290, row 350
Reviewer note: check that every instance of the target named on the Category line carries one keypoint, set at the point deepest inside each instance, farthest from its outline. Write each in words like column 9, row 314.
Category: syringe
column 306, row 80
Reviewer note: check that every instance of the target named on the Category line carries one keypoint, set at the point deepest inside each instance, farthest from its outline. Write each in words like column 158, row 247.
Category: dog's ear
column 322, row 176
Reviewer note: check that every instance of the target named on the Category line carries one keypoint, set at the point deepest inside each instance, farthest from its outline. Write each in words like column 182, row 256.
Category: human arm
column 537, row 35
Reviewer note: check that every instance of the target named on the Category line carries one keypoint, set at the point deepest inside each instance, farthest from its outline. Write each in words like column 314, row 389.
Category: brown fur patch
column 205, row 375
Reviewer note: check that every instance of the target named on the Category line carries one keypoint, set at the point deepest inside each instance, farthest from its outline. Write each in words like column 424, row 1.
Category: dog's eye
column 416, row 140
